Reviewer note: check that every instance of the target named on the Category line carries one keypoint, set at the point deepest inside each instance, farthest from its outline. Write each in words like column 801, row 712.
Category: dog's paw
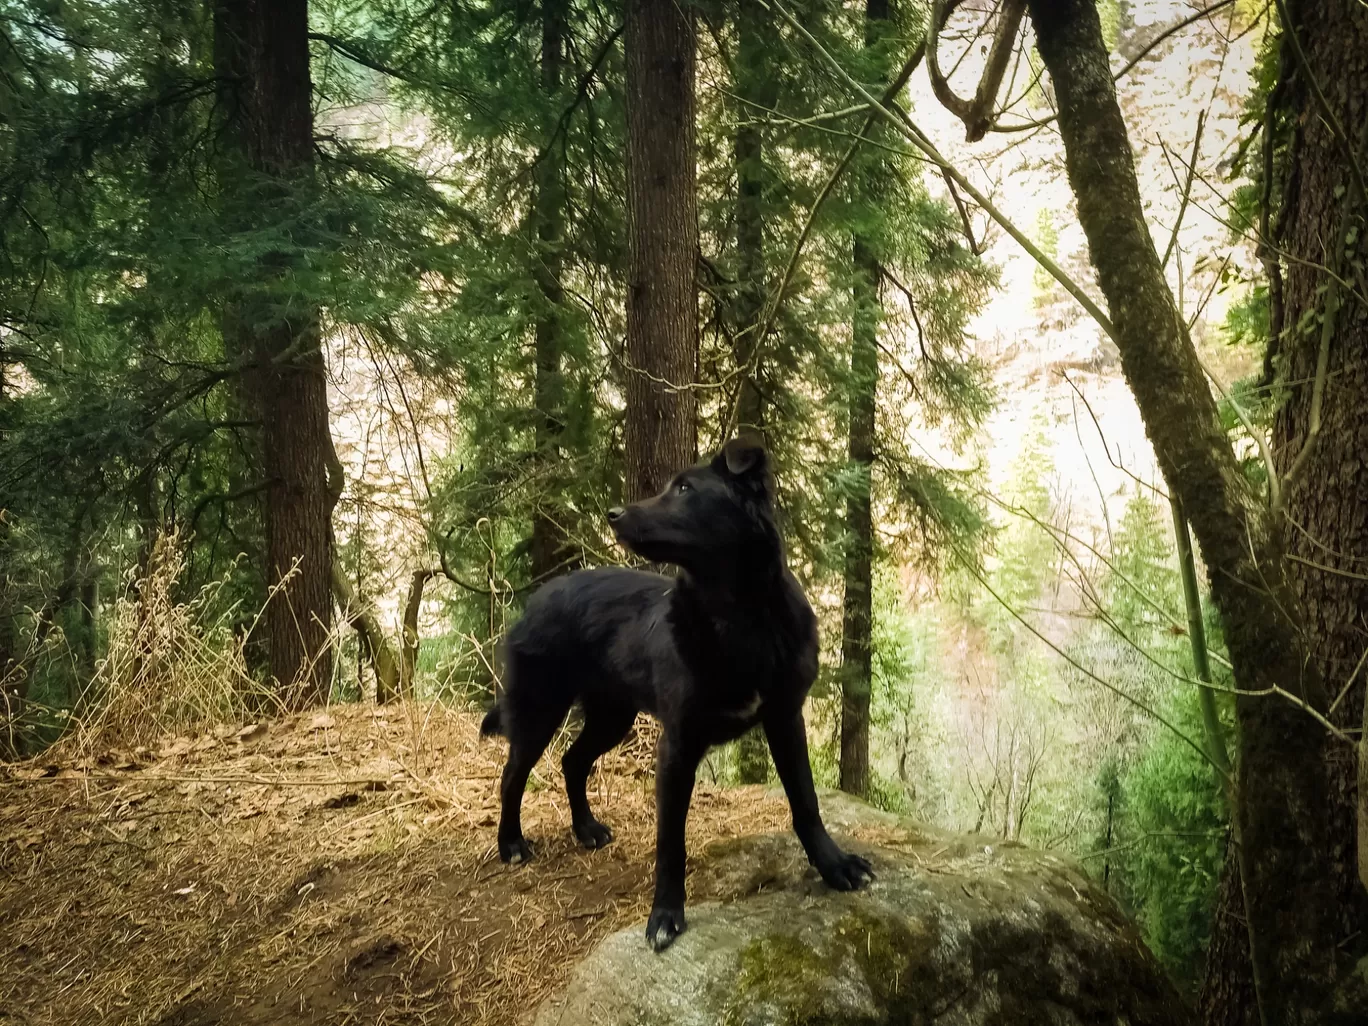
column 664, row 926
column 846, row 871
column 593, row 834
column 515, row 851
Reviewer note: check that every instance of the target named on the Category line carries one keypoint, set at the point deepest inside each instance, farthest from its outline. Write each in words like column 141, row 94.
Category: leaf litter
column 334, row 867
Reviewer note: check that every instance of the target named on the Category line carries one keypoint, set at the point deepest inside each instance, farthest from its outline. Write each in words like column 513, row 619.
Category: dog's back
column 580, row 637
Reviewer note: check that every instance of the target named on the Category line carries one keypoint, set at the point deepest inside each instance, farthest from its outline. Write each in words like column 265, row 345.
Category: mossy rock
column 956, row 931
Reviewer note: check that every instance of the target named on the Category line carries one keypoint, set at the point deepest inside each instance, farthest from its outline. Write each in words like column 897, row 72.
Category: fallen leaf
column 251, row 732
column 180, row 746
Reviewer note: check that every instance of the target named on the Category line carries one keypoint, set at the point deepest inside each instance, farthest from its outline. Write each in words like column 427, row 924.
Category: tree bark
column 549, row 550
column 408, row 653
column 754, row 83
column 8, row 598
column 1281, row 781
column 360, row 616
column 662, row 220
column 1326, row 530
column 857, row 607
column 267, row 46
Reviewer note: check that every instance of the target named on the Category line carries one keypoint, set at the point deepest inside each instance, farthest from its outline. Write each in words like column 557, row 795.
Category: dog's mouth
column 636, row 534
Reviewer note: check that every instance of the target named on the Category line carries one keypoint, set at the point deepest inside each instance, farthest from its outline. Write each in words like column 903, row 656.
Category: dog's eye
column 682, row 486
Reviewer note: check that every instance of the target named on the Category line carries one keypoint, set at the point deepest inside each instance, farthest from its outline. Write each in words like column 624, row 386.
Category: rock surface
column 955, row 931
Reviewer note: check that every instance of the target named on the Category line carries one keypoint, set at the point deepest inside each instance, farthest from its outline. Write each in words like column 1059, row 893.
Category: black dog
column 728, row 643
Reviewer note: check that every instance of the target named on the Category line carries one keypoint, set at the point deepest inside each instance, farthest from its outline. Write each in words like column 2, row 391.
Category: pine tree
column 270, row 53
column 660, row 435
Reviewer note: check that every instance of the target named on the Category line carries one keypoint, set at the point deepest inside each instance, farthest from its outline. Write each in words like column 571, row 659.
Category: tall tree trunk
column 662, row 218
column 1326, row 529
column 1281, row 781
column 548, row 529
column 754, row 83
column 1327, row 523
column 8, row 599
column 267, row 46
column 857, row 606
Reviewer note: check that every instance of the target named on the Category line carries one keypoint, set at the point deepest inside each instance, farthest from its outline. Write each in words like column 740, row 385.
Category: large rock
column 956, row 930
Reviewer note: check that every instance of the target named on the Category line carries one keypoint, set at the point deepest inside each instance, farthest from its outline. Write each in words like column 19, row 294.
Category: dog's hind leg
column 531, row 716
column 604, row 726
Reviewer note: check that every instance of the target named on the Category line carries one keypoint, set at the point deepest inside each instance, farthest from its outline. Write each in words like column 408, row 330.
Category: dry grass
column 170, row 665
column 337, row 867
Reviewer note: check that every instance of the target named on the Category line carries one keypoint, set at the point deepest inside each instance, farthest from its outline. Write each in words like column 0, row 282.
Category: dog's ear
column 741, row 457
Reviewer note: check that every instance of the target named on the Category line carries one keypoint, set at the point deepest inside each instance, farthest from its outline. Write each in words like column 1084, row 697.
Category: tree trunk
column 1227, row 994
column 408, row 653
column 267, row 45
column 1326, row 531
column 549, row 549
column 754, row 82
column 360, row 616
column 662, row 219
column 1281, row 781
column 8, row 599
column 857, row 607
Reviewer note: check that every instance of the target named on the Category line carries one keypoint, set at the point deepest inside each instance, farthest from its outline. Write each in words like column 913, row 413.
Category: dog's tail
column 492, row 724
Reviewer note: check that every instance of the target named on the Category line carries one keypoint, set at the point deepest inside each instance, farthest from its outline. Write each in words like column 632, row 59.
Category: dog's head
column 709, row 518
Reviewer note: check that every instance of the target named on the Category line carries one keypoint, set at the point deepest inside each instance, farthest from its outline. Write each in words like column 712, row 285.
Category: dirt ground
column 336, row 867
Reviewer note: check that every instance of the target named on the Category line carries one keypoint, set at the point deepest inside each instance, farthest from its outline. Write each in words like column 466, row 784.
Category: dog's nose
column 615, row 513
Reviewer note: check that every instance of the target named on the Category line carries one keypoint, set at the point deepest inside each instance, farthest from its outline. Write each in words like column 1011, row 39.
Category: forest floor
column 335, row 867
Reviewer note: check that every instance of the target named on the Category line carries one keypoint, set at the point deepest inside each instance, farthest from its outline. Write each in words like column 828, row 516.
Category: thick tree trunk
column 1326, row 529
column 1227, row 994
column 549, row 550
column 662, row 218
column 267, row 44
column 1281, row 781
column 1326, row 532
column 857, row 612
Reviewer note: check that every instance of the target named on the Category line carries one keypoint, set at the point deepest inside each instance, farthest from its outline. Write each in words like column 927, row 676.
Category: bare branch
column 978, row 113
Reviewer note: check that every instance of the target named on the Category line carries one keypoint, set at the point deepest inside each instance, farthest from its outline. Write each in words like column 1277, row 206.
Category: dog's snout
column 615, row 513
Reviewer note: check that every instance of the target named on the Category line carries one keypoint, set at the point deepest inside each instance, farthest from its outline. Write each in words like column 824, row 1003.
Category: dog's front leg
column 676, row 765
column 787, row 736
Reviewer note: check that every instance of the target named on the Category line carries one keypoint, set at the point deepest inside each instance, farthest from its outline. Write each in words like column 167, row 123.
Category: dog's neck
column 744, row 588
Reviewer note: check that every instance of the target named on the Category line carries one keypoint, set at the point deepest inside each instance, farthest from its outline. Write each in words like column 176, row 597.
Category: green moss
column 782, row 972
column 896, row 963
column 795, row 980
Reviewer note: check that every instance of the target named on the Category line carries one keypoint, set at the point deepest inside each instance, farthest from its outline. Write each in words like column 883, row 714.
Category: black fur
column 729, row 642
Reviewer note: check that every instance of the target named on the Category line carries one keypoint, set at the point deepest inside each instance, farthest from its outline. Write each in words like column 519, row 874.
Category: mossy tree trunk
column 662, row 229
column 1326, row 528
column 1281, row 783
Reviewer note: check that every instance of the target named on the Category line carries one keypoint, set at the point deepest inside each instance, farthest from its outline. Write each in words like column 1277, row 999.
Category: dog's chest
column 747, row 711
